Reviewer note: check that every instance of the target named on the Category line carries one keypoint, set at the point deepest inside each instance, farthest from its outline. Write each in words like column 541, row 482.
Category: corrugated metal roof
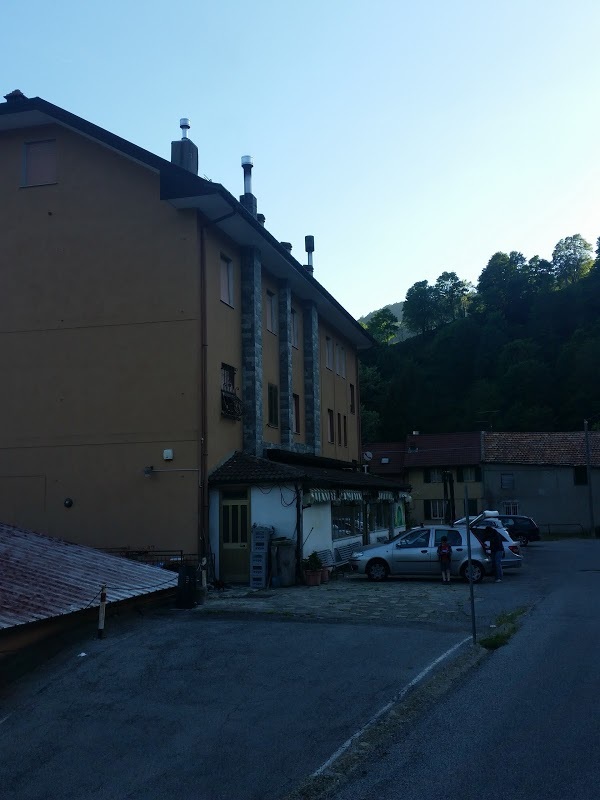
column 42, row 577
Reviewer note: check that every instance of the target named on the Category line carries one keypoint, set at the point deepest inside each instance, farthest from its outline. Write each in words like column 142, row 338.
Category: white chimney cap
column 247, row 160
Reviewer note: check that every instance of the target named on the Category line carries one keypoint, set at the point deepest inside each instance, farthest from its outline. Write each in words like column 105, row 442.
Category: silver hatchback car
column 414, row 552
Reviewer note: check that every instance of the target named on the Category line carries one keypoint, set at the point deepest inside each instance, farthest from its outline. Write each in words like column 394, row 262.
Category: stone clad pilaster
column 312, row 380
column 252, row 351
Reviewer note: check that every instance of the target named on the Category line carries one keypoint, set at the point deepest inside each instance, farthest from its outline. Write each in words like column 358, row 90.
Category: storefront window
column 346, row 520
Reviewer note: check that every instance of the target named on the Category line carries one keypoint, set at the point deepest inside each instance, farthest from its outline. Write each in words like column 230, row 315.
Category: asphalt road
column 525, row 723
column 179, row 704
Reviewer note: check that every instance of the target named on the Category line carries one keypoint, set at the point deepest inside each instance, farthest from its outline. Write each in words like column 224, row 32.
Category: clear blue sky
column 408, row 138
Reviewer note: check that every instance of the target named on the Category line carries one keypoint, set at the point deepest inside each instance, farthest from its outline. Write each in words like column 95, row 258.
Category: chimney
column 262, row 219
column 17, row 94
column 287, row 246
column 309, row 246
column 247, row 199
column 184, row 153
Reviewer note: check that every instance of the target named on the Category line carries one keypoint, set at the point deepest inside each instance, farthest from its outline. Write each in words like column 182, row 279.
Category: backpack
column 444, row 550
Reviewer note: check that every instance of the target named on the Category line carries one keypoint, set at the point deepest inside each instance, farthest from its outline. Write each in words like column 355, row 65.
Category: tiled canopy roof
column 243, row 468
column 41, row 577
column 556, row 448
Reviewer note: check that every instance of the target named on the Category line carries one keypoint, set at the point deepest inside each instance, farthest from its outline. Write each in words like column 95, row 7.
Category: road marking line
column 387, row 707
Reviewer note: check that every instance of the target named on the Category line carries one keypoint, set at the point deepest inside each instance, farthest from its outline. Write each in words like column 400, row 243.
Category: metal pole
column 472, row 596
column 102, row 611
column 589, row 478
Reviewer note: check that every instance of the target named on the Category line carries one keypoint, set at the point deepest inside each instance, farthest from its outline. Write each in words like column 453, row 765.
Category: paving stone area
column 353, row 598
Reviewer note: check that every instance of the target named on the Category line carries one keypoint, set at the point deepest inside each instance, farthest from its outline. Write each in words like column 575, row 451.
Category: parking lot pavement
column 354, row 599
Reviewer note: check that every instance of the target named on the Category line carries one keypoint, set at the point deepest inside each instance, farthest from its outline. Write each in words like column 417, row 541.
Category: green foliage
column 421, row 307
column 572, row 259
column 313, row 563
column 383, row 326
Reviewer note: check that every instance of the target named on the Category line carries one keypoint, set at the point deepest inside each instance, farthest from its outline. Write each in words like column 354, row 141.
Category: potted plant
column 313, row 567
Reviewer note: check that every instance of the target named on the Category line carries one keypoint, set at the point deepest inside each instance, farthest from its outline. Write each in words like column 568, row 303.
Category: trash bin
column 283, row 561
column 186, row 586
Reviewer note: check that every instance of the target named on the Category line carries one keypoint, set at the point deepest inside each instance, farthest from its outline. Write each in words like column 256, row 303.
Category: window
column 273, row 396
column 434, row 509
column 379, row 516
column 39, row 163
column 296, row 414
column 271, row 312
column 330, row 437
column 468, row 474
column 231, row 405
column 227, row 378
column 295, row 335
column 328, row 352
column 346, row 520
column 510, row 507
column 345, row 431
column 339, row 427
column 226, row 281
column 433, row 475
column 341, row 367
column 580, row 476
column 454, row 537
column 507, row 480
column 352, row 401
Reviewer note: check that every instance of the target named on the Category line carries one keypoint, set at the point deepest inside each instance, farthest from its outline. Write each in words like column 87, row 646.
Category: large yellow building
column 150, row 328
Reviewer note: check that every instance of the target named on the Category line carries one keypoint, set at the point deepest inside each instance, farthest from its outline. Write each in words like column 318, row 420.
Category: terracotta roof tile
column 554, row 448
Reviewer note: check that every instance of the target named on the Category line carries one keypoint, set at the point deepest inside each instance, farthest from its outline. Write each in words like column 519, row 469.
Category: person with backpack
column 444, row 552
column 492, row 536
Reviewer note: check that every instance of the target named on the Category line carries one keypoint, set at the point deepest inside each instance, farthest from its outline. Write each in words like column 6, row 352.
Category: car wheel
column 477, row 572
column 523, row 540
column 377, row 570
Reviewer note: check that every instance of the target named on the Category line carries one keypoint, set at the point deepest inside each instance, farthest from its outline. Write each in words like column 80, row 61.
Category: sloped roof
column 243, row 468
column 387, row 457
column 541, row 448
column 42, row 577
column 442, row 449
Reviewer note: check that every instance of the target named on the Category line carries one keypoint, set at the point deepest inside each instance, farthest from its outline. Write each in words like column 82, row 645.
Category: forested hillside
column 520, row 352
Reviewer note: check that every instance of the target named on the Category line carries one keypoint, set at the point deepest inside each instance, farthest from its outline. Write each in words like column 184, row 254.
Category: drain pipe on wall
column 203, row 534
column 299, row 531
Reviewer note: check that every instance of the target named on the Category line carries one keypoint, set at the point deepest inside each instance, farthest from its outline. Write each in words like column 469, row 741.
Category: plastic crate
column 259, row 559
column 261, row 546
column 258, row 582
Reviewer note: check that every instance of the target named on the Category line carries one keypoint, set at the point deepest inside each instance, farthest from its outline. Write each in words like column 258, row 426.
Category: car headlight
column 358, row 554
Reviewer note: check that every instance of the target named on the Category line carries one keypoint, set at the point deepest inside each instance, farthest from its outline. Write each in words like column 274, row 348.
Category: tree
column 452, row 293
column 540, row 274
column 420, row 307
column 572, row 259
column 502, row 285
column 383, row 326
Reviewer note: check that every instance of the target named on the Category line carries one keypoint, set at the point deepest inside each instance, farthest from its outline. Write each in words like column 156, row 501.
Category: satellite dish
column 367, row 456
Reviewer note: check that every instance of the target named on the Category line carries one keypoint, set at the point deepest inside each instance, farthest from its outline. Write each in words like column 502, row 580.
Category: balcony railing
column 231, row 405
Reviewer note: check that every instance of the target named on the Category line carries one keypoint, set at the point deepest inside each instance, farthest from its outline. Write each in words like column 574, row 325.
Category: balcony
column 231, row 405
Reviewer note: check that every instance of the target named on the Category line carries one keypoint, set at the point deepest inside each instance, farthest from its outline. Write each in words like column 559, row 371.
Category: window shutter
column 459, row 475
column 478, row 474
column 427, row 476
column 427, row 509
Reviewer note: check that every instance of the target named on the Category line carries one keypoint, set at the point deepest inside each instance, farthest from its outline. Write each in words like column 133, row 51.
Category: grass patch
column 508, row 625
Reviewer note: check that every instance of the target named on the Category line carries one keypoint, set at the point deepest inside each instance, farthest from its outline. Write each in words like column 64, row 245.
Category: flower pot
column 312, row 577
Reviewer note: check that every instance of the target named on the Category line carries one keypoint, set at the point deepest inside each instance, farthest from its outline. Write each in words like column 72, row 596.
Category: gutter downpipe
column 364, row 507
column 203, row 533
column 299, row 531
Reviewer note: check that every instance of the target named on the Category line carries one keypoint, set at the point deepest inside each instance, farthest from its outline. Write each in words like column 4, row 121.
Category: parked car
column 522, row 529
column 512, row 552
column 414, row 552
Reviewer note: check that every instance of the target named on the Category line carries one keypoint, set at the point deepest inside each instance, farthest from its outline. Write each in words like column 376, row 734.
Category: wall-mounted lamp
column 148, row 472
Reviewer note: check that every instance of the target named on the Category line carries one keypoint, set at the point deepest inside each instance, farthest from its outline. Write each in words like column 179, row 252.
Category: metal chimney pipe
column 309, row 246
column 247, row 165
column 184, row 124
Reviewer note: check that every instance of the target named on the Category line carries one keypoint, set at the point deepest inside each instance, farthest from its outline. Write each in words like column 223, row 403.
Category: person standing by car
column 492, row 536
column 444, row 552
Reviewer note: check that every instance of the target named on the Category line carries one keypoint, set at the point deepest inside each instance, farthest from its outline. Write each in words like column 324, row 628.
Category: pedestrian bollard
column 102, row 611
